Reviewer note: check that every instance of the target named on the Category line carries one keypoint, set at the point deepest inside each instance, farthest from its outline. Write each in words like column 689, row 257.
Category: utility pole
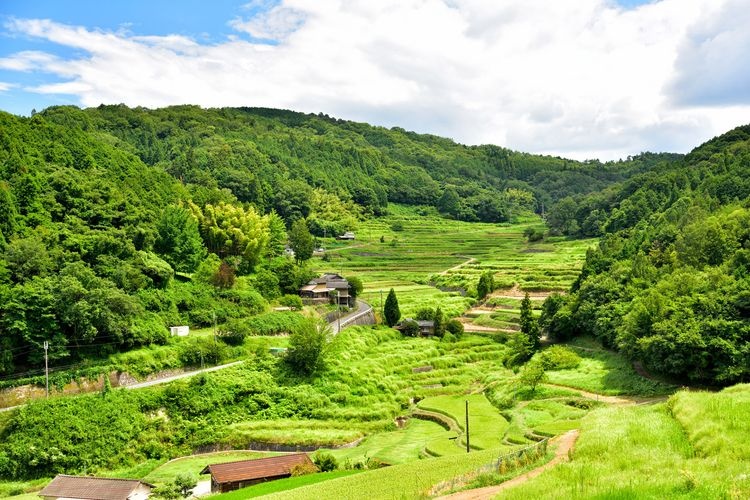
column 467, row 426
column 46, row 367
column 216, row 353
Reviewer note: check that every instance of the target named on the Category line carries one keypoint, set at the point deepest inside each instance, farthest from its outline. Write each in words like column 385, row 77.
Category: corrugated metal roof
column 91, row 488
column 244, row 470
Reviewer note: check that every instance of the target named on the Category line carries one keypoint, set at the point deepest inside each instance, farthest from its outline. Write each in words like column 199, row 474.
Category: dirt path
column 565, row 444
column 459, row 266
column 517, row 293
column 614, row 400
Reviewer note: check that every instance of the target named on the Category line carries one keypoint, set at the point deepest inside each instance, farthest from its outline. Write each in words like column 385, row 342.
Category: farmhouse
column 349, row 235
column 95, row 488
column 426, row 327
column 327, row 288
column 235, row 475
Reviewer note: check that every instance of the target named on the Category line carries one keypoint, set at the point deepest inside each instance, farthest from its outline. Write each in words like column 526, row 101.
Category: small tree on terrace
column 486, row 285
column 532, row 374
column 529, row 325
column 307, row 346
column 391, row 311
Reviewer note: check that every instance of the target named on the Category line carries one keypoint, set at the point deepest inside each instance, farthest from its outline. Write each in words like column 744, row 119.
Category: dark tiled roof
column 255, row 469
column 90, row 488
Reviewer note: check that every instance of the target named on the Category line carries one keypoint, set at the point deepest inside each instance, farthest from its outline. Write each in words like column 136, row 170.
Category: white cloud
column 712, row 63
column 6, row 86
column 581, row 79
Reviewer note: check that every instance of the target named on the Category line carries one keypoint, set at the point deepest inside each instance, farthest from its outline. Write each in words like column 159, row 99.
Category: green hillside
column 669, row 283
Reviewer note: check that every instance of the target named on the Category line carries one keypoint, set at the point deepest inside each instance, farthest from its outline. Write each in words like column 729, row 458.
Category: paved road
column 362, row 308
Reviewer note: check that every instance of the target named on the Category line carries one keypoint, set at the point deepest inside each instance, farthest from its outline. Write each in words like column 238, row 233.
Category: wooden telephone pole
column 467, row 426
column 46, row 367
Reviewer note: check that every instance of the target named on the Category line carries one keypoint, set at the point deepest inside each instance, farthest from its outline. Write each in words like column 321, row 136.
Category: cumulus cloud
column 712, row 66
column 582, row 79
column 275, row 23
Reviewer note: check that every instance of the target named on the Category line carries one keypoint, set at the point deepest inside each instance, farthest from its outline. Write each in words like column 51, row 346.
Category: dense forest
column 116, row 223
column 669, row 283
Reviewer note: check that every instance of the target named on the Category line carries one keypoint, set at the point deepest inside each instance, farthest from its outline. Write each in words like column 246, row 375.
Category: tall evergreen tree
column 439, row 322
column 391, row 311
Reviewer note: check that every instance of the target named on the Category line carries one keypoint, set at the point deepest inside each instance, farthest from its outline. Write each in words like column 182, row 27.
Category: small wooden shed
column 95, row 488
column 231, row 476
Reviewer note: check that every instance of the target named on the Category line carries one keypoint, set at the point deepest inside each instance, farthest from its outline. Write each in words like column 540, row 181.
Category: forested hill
column 670, row 282
column 104, row 212
column 274, row 158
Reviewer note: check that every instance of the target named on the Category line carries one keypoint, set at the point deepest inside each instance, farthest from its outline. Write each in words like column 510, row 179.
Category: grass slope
column 643, row 452
column 410, row 480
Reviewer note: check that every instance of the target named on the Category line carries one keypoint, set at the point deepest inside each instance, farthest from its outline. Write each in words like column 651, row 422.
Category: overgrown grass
column 717, row 424
column 607, row 372
column 638, row 452
column 411, row 480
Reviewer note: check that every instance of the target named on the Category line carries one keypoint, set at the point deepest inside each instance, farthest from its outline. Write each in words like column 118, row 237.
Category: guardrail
column 501, row 465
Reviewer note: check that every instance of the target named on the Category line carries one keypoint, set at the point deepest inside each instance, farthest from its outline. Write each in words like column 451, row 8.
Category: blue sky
column 581, row 78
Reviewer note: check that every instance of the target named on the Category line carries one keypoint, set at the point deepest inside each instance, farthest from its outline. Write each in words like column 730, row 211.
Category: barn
column 95, row 488
column 231, row 476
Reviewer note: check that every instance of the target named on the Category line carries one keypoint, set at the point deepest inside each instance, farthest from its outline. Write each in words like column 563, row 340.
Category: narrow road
column 566, row 442
column 363, row 308
column 339, row 324
column 181, row 375
column 154, row 382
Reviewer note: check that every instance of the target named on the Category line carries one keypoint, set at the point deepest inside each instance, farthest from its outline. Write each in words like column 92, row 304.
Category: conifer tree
column 391, row 311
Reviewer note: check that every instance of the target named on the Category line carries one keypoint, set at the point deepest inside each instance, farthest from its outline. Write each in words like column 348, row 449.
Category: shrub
column 293, row 302
column 559, row 357
column 303, row 469
column 306, row 346
column 234, row 331
column 325, row 462
column 410, row 328
column 455, row 328
column 397, row 226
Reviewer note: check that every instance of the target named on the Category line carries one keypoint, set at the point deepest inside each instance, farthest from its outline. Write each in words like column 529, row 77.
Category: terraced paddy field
column 431, row 261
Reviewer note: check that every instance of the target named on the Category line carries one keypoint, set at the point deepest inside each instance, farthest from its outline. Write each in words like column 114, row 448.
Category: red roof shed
column 234, row 475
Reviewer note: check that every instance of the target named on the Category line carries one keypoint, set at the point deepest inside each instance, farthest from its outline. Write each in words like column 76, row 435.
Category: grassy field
column 606, row 372
column 411, row 480
column 645, row 452
column 486, row 425
column 717, row 424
